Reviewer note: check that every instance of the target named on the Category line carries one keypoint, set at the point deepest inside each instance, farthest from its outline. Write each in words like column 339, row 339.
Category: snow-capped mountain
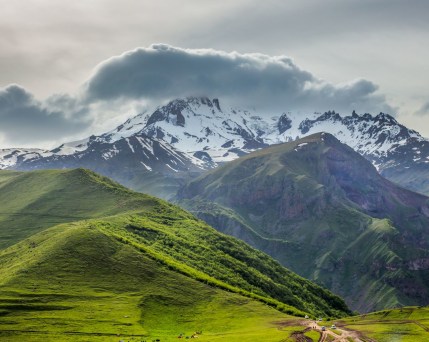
column 136, row 161
column 9, row 157
column 217, row 132
column 200, row 127
column 205, row 126
column 130, row 153
column 194, row 134
column 129, row 128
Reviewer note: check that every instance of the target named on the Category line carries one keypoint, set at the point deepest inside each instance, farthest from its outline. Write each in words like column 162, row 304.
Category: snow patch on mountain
column 201, row 133
column 221, row 132
column 129, row 128
column 71, row 147
column 9, row 157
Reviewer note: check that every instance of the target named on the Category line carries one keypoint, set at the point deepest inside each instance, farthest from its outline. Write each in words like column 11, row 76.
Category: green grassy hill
column 408, row 324
column 73, row 282
column 92, row 260
column 323, row 211
column 33, row 201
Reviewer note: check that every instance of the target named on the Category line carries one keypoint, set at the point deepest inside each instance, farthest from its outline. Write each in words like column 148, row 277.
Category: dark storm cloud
column 24, row 119
column 122, row 84
column 272, row 82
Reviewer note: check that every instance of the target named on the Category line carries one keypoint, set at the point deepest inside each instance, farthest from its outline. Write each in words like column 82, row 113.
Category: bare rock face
column 284, row 123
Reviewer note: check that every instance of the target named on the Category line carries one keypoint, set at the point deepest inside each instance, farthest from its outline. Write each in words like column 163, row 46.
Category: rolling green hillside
column 73, row 282
column 32, row 201
column 407, row 324
column 323, row 211
column 140, row 268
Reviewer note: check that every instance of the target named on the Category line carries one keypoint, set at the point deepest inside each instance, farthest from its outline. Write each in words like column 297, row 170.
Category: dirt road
column 341, row 337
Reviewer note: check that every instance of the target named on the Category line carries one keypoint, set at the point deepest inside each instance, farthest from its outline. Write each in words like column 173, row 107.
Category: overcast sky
column 69, row 69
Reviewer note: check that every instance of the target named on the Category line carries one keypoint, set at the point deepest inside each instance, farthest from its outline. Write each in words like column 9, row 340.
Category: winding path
column 337, row 338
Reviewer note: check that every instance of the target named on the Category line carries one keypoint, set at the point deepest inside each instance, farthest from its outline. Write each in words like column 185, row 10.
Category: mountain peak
column 324, row 138
column 386, row 118
column 176, row 110
column 204, row 100
column 209, row 132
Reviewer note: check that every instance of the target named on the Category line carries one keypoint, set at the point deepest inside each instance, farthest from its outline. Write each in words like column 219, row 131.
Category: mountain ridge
column 195, row 134
column 323, row 210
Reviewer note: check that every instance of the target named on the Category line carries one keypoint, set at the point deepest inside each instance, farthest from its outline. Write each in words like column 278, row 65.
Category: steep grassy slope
column 32, row 201
column 323, row 211
column 148, row 269
column 57, row 286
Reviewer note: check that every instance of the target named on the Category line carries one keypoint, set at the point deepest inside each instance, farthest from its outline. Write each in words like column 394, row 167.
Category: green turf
column 314, row 335
column 407, row 324
column 33, row 201
column 149, row 270
column 69, row 290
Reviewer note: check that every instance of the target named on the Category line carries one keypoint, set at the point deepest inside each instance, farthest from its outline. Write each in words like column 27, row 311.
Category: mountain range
column 324, row 211
column 187, row 136
column 188, row 144
column 309, row 190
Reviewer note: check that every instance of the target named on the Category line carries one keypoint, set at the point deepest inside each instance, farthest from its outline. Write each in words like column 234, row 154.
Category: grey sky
column 424, row 110
column 50, row 47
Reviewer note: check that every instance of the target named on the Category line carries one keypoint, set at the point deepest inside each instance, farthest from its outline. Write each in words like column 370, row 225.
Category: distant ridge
column 190, row 135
